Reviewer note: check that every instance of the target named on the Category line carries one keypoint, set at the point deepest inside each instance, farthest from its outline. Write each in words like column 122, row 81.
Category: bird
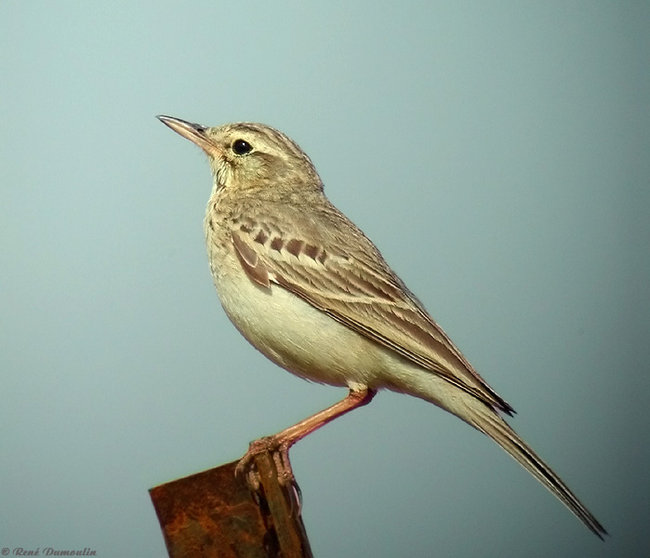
column 307, row 288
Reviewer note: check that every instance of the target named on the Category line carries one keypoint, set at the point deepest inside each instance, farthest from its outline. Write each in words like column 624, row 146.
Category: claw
column 277, row 446
column 279, row 452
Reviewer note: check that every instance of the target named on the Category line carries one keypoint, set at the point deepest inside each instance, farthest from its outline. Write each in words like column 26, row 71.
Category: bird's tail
column 486, row 420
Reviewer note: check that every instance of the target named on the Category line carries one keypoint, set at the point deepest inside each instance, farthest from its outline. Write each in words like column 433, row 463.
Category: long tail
column 476, row 413
column 488, row 422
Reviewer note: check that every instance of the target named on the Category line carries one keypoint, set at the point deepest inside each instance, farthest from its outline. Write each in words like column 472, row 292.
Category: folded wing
column 361, row 293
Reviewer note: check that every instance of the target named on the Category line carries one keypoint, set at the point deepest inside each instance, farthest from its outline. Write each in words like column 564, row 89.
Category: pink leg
column 280, row 443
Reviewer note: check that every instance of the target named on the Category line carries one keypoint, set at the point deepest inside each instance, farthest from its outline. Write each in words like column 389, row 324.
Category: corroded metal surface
column 215, row 514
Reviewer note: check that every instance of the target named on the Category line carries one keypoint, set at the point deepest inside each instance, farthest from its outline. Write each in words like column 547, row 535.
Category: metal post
column 215, row 514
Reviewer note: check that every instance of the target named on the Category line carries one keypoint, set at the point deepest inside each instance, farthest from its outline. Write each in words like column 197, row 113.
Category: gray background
column 497, row 153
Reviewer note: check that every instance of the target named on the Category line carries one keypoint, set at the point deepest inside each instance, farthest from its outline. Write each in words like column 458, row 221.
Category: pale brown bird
column 308, row 289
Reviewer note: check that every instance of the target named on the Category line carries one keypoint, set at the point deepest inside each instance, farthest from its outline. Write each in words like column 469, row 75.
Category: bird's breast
column 291, row 332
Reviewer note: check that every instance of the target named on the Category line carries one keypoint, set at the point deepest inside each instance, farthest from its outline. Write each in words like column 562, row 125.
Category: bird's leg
column 279, row 444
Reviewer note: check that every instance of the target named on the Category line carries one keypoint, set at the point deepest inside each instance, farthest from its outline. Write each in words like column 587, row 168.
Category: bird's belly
column 299, row 337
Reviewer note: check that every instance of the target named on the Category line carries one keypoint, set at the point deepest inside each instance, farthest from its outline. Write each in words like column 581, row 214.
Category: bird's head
column 250, row 156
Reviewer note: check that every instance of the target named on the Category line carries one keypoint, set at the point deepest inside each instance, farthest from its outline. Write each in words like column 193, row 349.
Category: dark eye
column 241, row 147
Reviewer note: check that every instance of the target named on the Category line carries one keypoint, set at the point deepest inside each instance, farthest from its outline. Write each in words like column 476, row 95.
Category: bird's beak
column 193, row 132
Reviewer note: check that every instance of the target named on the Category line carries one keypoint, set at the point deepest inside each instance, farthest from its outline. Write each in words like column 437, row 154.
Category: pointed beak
column 193, row 132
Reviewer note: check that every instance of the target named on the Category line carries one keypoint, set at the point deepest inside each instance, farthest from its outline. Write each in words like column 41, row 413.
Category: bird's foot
column 278, row 449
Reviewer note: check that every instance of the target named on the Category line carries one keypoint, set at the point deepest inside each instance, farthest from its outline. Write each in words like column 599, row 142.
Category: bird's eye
column 241, row 147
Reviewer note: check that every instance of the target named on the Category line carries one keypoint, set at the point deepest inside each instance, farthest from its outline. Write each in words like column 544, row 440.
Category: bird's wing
column 360, row 292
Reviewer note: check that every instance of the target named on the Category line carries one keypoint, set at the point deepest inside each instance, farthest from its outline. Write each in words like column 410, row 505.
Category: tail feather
column 484, row 418
column 487, row 421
